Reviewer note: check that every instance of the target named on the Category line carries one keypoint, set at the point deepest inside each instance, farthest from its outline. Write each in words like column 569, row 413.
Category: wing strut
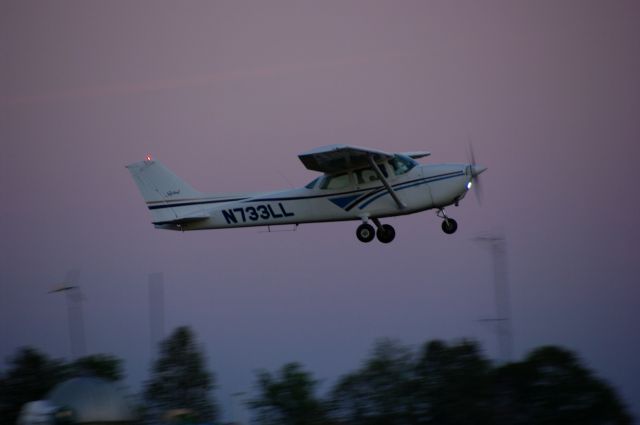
column 392, row 192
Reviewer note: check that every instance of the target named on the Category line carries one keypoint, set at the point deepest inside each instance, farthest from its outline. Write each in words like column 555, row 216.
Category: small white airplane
column 357, row 184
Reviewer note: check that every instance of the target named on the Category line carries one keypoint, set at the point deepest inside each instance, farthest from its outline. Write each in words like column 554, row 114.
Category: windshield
column 401, row 164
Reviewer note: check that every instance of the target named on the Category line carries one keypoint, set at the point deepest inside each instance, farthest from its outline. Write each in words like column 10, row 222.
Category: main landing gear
column 385, row 232
column 449, row 225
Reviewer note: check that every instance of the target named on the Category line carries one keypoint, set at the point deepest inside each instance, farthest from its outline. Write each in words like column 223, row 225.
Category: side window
column 339, row 181
column 366, row 175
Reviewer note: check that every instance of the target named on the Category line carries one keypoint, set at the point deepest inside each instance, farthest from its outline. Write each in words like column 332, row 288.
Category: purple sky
column 228, row 93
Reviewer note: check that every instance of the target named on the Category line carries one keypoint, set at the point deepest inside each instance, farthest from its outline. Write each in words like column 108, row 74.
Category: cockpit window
column 338, row 181
column 366, row 175
column 312, row 183
column 401, row 164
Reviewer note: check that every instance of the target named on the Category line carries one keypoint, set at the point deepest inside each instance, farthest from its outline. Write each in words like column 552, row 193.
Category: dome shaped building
column 92, row 401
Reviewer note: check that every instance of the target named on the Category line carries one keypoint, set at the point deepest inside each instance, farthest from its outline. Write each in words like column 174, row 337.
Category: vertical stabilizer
column 165, row 194
column 157, row 183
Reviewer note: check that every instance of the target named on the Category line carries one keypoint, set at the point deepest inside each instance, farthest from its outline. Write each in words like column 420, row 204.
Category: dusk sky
column 228, row 93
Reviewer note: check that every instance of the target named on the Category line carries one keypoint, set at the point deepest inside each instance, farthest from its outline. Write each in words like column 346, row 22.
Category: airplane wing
column 416, row 154
column 336, row 158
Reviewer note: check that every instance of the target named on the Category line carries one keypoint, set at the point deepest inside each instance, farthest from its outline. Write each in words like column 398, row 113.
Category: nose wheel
column 449, row 225
column 385, row 232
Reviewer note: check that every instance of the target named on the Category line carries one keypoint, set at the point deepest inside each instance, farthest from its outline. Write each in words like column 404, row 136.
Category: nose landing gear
column 449, row 225
column 385, row 232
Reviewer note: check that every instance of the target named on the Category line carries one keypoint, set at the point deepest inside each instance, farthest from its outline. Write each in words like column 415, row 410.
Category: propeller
column 476, row 170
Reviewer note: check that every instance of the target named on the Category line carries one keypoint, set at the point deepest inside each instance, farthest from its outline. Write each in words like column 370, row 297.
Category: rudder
column 157, row 183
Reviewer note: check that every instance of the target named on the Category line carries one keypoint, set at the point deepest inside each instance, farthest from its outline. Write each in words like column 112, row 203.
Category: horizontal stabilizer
column 184, row 220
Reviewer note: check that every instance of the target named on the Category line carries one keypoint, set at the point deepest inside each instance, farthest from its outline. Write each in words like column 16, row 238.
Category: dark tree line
column 440, row 383
column 31, row 375
column 180, row 381
column 446, row 384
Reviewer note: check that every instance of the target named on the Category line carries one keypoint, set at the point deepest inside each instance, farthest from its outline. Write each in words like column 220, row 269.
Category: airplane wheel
column 449, row 226
column 365, row 232
column 386, row 233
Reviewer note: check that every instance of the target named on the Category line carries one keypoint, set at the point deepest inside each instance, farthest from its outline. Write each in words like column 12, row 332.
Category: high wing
column 333, row 159
column 416, row 154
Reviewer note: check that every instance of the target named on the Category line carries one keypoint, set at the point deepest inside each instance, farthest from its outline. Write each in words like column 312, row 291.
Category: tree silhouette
column 103, row 366
column 31, row 374
column 451, row 384
column 287, row 398
column 180, row 380
column 380, row 391
column 551, row 386
column 455, row 384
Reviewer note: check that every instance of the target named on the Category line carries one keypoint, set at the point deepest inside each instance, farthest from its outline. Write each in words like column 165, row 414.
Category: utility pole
column 502, row 319
column 234, row 396
column 156, row 311
column 75, row 318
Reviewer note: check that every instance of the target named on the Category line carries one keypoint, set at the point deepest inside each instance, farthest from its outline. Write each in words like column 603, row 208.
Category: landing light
column 469, row 185
column 148, row 157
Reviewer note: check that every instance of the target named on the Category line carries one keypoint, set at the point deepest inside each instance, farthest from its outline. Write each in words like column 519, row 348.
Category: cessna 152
column 357, row 184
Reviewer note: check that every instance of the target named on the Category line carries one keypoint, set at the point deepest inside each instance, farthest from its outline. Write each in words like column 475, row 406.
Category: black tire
column 386, row 233
column 365, row 233
column 449, row 226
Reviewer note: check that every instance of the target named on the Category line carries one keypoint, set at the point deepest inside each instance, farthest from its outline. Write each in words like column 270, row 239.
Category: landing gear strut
column 449, row 225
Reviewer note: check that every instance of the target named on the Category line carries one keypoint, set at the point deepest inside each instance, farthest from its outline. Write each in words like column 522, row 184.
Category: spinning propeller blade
column 476, row 170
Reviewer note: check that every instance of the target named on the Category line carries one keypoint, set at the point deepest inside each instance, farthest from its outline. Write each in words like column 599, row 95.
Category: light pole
column 75, row 318
column 156, row 311
column 502, row 317
column 233, row 401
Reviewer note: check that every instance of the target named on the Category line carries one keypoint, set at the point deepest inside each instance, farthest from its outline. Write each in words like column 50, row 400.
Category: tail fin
column 157, row 183
column 160, row 189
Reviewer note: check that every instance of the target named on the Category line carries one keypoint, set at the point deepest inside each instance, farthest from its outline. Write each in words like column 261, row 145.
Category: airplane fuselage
column 421, row 188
